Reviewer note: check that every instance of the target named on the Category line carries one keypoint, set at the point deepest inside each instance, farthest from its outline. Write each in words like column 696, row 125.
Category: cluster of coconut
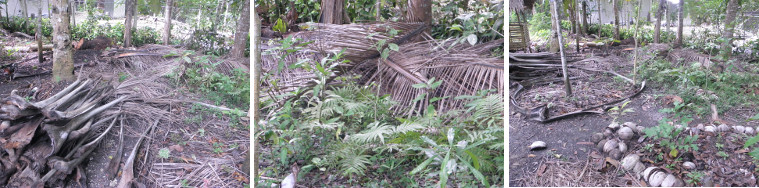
column 614, row 142
column 725, row 128
column 655, row 176
column 615, row 138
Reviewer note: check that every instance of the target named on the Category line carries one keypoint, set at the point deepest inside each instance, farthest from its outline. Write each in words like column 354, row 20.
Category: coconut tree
column 128, row 22
column 555, row 19
column 732, row 9
column 243, row 28
column 63, row 63
column 680, row 18
column 167, row 27
column 659, row 13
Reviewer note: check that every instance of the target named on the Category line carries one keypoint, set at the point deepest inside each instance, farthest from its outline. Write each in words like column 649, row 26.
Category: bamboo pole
column 555, row 19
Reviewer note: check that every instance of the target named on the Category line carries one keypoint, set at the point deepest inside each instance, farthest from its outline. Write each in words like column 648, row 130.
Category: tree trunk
column 420, row 11
column 573, row 17
column 332, row 11
column 657, row 27
column 680, row 25
column 39, row 33
column 554, row 43
column 256, row 82
column 63, row 64
column 243, row 27
column 24, row 10
column 615, row 6
column 73, row 14
column 732, row 9
column 226, row 13
column 600, row 21
column 377, row 9
column 584, row 16
column 667, row 17
column 555, row 19
column 167, row 26
column 128, row 23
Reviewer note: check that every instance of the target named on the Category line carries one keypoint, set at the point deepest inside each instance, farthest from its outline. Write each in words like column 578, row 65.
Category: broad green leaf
column 283, row 155
column 474, row 171
column 456, row 27
column 443, row 171
column 421, row 166
column 756, row 117
column 385, row 53
column 280, row 26
column 393, row 46
column 419, row 86
column 673, row 153
column 751, row 141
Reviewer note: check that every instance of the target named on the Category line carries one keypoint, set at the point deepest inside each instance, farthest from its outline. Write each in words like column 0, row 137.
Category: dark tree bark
column 732, row 10
column 39, row 33
column 615, row 6
column 243, row 28
column 167, row 26
column 420, row 11
column 657, row 27
column 63, row 63
column 332, row 11
column 128, row 23
column 680, row 25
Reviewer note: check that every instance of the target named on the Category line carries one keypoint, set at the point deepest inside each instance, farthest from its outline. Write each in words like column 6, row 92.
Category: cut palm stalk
column 57, row 96
column 128, row 173
column 59, row 134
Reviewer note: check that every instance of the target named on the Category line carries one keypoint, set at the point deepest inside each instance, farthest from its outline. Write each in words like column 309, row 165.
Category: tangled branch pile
column 44, row 142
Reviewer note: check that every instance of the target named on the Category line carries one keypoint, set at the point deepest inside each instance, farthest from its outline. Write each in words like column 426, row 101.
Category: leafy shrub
column 27, row 25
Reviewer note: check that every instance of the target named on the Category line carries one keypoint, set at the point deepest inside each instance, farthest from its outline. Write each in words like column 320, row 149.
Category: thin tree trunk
column 226, row 13
column 635, row 38
column 128, row 23
column 555, row 19
column 39, row 33
column 243, row 28
column 680, row 25
column 73, row 14
column 167, row 26
column 63, row 64
column 667, row 18
column 25, row 10
column 377, row 5
column 600, row 21
column 732, row 8
column 584, row 16
column 256, row 82
column 615, row 6
column 657, row 27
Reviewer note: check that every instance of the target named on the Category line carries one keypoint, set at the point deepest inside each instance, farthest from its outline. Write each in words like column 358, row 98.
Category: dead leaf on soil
column 541, row 169
column 176, row 148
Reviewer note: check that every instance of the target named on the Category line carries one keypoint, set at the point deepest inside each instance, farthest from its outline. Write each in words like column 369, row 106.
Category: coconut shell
column 657, row 178
column 625, row 133
column 610, row 145
column 629, row 162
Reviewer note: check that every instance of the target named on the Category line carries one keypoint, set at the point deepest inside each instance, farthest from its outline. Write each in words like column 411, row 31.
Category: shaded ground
column 206, row 147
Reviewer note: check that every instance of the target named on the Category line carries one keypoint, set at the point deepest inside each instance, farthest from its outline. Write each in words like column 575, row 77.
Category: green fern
column 375, row 131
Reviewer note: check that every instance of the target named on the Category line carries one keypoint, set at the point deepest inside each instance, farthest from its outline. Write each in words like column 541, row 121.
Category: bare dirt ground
column 566, row 160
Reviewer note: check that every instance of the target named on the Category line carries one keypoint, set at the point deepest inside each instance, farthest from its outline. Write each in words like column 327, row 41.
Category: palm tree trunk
column 732, row 8
column 63, row 63
column 600, row 22
column 128, row 23
column 332, row 11
column 243, row 28
column 584, row 16
column 657, row 27
column 167, row 27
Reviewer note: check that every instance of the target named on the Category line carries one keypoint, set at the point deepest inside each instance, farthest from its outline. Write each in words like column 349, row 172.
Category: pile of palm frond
column 464, row 69
column 46, row 141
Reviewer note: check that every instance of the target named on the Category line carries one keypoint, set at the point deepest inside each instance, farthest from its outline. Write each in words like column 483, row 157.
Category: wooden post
column 555, row 19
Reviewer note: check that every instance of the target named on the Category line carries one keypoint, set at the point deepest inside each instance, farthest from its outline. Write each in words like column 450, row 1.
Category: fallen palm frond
column 463, row 69
column 534, row 95
column 201, row 173
column 357, row 42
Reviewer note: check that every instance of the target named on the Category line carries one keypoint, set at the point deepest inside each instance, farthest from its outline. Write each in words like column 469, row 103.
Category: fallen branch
column 128, row 173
